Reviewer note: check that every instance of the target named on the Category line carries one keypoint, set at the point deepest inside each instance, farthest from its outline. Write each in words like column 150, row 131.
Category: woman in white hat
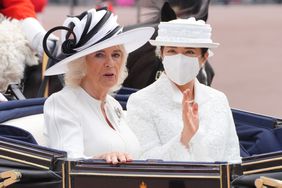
column 177, row 118
column 83, row 119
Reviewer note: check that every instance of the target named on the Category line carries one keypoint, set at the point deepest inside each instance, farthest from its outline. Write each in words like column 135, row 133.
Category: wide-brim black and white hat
column 90, row 32
column 184, row 33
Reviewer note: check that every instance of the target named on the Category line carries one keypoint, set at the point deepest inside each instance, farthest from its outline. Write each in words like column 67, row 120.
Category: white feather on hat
column 15, row 52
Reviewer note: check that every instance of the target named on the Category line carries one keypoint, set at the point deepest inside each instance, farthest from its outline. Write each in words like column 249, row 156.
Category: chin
column 110, row 84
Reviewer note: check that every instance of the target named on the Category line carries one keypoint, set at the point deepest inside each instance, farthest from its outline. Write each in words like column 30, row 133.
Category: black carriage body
column 36, row 166
column 255, row 167
column 44, row 167
column 145, row 174
column 263, row 163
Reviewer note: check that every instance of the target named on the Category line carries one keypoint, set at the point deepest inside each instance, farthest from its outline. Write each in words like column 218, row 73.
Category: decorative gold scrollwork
column 9, row 178
column 143, row 185
column 265, row 181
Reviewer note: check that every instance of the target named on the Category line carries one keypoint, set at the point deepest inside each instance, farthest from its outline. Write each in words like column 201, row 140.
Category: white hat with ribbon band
column 92, row 31
column 184, row 33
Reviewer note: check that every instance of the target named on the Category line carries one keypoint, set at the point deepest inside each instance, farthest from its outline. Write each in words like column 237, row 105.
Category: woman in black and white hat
column 176, row 117
column 83, row 119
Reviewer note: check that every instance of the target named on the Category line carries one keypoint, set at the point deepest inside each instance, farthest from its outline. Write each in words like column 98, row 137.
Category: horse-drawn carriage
column 27, row 162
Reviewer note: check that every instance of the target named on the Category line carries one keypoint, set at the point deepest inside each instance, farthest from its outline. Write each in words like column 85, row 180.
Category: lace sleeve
column 140, row 118
column 232, row 150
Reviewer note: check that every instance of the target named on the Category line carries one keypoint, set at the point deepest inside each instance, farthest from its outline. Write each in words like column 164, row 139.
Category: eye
column 99, row 54
column 116, row 55
column 171, row 51
column 190, row 53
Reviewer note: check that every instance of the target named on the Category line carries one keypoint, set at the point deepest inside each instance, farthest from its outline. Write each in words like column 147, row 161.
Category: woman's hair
column 204, row 51
column 77, row 70
column 159, row 51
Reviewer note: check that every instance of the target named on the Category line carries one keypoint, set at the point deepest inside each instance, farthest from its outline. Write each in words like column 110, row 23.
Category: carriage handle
column 263, row 181
column 10, row 177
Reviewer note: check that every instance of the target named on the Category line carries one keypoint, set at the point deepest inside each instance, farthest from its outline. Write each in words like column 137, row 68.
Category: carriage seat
column 257, row 134
column 33, row 124
column 26, row 115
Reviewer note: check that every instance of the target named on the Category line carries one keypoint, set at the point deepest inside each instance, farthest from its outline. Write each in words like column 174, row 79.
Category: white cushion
column 33, row 124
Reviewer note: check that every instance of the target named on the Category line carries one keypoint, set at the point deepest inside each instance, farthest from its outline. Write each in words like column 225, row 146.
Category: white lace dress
column 155, row 116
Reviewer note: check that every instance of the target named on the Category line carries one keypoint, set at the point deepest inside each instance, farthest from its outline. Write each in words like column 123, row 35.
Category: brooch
column 118, row 112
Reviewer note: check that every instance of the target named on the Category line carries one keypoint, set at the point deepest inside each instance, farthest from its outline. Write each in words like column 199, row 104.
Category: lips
column 108, row 74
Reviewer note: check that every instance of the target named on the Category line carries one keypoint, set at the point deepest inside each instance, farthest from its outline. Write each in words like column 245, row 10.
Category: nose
column 109, row 62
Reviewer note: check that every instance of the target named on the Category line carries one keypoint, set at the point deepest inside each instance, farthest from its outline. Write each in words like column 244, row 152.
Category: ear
column 204, row 59
column 167, row 13
column 207, row 55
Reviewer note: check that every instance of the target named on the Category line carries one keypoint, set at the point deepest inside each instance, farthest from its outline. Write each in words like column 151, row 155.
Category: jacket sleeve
column 63, row 129
column 18, row 9
column 232, row 148
column 140, row 119
column 33, row 30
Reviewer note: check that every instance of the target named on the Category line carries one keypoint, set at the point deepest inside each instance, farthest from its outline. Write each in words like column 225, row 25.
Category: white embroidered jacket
column 75, row 123
column 155, row 116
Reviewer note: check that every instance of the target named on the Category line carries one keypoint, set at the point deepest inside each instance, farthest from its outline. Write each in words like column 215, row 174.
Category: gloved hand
column 34, row 33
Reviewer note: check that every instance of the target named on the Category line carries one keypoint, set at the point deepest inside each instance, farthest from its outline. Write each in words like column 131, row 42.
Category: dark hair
column 203, row 50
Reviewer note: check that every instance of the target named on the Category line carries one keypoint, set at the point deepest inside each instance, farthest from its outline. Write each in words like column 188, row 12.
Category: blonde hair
column 77, row 70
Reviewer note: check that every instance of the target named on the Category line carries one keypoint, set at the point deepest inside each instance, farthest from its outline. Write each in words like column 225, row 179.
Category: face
column 104, row 66
column 190, row 52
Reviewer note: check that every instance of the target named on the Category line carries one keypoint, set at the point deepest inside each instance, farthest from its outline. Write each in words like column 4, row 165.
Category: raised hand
column 190, row 117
